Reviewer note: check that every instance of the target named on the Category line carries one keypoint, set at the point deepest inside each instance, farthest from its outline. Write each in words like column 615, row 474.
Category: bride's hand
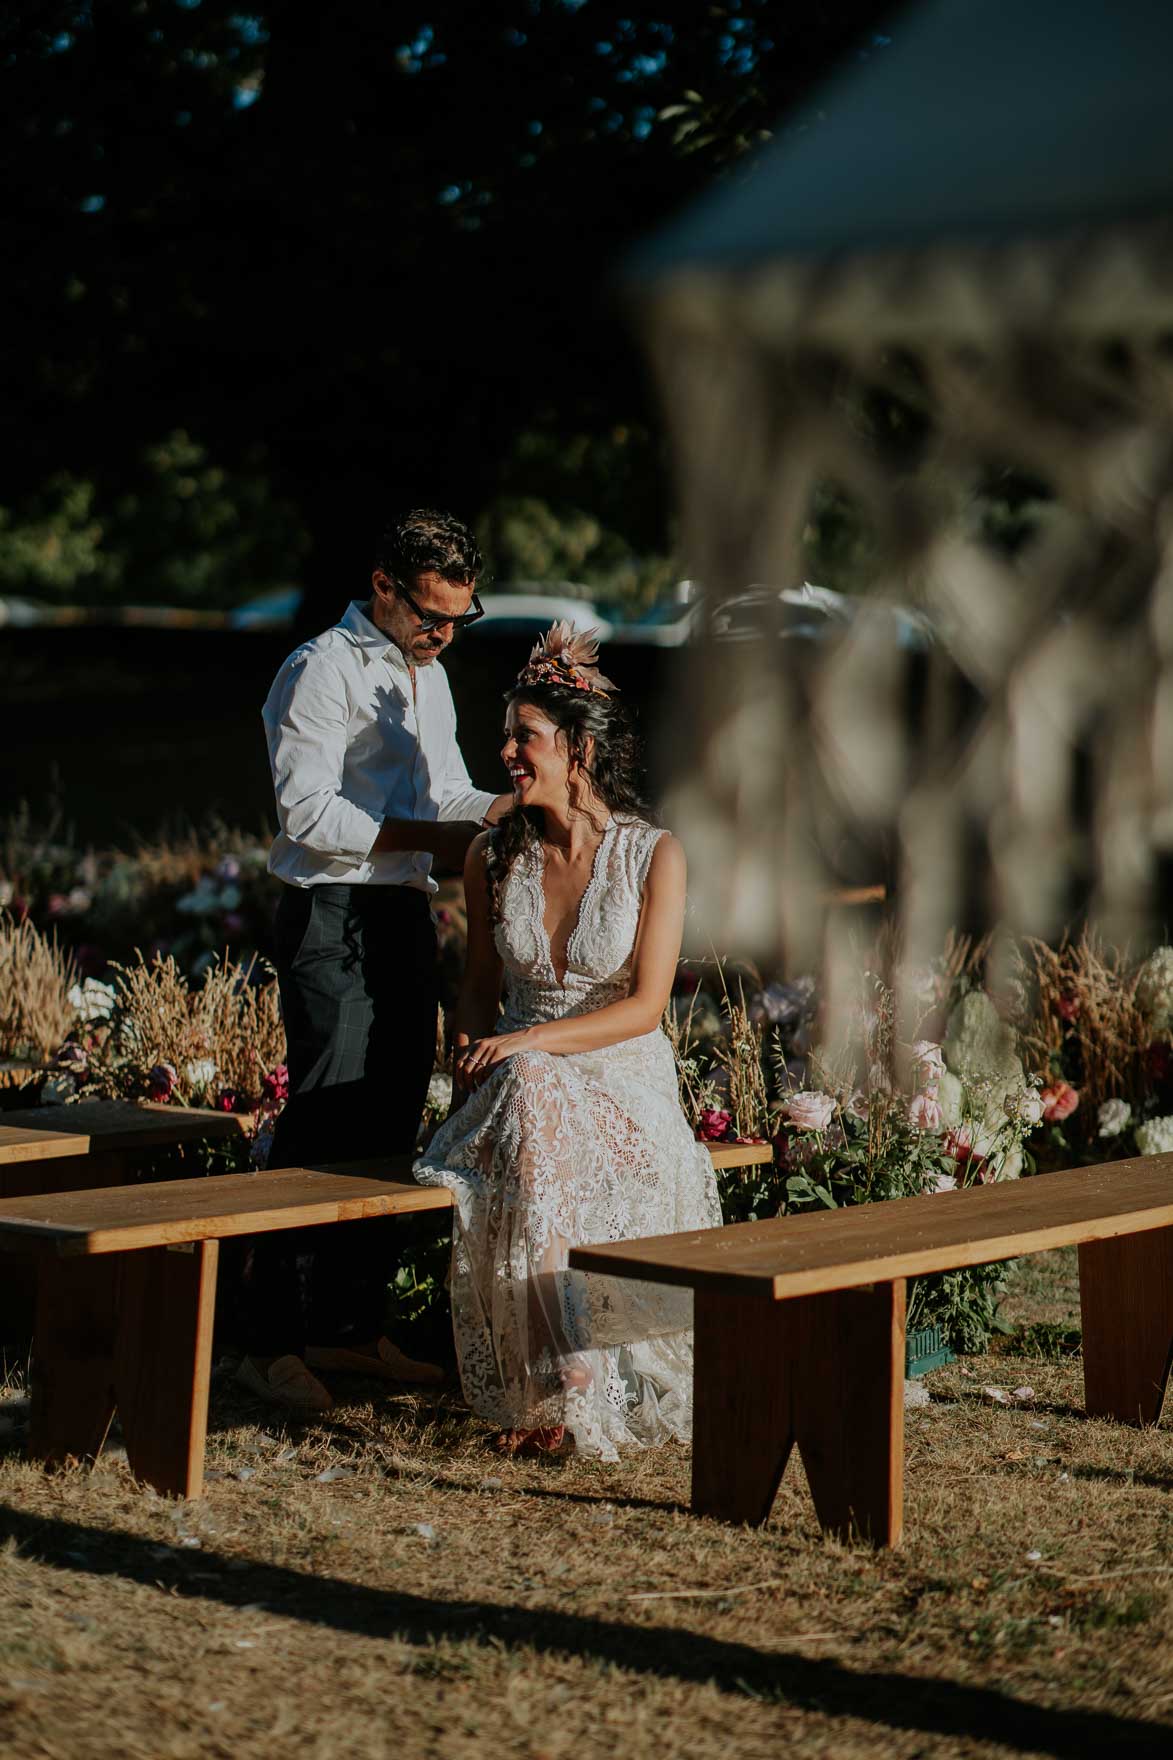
column 478, row 1061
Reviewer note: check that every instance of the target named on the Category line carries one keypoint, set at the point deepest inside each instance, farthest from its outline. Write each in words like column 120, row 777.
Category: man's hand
column 503, row 804
column 446, row 841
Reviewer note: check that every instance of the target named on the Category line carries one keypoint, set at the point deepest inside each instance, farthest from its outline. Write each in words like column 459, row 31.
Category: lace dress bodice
column 598, row 953
column 557, row 1151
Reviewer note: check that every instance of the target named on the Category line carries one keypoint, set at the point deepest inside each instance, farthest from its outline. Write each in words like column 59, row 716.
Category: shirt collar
column 370, row 641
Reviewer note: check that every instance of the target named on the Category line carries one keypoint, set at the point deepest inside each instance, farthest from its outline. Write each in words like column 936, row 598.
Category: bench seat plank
column 19, row 1144
column 829, row 1250
column 170, row 1212
column 740, row 1154
column 128, row 1124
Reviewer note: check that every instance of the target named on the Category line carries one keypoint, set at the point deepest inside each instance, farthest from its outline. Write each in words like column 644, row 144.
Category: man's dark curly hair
column 424, row 541
column 613, row 772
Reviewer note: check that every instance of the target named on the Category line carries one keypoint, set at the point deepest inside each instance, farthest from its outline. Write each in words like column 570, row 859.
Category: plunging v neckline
column 580, row 912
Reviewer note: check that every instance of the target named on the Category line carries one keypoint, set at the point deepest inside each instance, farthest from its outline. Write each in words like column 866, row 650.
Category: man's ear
column 380, row 585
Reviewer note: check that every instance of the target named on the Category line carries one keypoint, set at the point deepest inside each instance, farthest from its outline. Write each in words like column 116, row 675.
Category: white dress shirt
column 350, row 745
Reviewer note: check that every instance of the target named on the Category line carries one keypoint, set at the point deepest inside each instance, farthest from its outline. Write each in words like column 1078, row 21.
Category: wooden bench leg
column 741, row 1430
column 1126, row 1307
column 73, row 1357
column 848, row 1380
column 163, row 1362
column 824, row 1371
column 132, row 1331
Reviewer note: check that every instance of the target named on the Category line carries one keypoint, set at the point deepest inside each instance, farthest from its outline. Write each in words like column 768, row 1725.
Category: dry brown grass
column 36, row 1015
column 440, row 1602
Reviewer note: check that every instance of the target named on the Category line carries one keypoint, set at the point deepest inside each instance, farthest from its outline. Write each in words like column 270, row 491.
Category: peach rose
column 1060, row 1100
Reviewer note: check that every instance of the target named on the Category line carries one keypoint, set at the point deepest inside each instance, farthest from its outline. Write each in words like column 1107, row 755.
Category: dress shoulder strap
column 640, row 840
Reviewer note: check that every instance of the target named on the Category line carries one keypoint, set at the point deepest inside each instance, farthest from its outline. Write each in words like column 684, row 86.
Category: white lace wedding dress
column 559, row 1151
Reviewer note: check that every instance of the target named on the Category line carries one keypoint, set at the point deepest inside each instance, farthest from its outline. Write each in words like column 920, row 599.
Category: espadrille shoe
column 287, row 1382
column 387, row 1363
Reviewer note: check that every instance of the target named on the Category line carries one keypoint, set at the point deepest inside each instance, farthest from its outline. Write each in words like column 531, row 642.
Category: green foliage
column 584, row 509
column 183, row 530
column 52, row 548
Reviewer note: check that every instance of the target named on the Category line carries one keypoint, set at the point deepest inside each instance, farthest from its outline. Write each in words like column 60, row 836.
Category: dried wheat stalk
column 36, row 976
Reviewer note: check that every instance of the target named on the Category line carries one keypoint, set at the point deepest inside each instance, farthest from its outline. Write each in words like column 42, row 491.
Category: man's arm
column 306, row 722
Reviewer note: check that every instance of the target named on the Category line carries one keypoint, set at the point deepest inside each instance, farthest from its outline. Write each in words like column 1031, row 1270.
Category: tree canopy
column 351, row 258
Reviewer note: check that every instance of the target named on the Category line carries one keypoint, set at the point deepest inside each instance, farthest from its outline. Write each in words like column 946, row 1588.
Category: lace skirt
column 555, row 1152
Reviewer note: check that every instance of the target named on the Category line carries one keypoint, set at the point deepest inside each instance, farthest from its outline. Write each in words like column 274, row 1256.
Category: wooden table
column 799, row 1325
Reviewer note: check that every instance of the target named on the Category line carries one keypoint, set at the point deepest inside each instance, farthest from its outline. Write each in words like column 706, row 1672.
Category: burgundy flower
column 161, row 1082
column 226, row 1100
column 275, row 1087
column 714, row 1125
column 1160, row 1061
column 1068, row 1007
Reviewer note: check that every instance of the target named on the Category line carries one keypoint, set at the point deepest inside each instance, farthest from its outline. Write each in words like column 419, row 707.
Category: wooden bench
column 96, row 1142
column 799, row 1325
column 126, row 1288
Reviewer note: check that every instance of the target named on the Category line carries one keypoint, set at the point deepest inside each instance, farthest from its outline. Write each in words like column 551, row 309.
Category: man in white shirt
column 371, row 788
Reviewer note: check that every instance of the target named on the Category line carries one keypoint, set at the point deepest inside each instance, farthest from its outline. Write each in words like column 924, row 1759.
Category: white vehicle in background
column 528, row 610
column 671, row 624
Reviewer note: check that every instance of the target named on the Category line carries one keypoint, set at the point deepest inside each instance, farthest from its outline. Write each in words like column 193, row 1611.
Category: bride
column 570, row 1131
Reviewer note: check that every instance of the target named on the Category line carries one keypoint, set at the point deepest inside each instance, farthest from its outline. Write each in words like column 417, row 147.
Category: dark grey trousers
column 357, row 970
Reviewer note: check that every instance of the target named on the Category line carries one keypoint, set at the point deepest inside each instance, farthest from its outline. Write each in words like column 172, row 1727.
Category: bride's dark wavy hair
column 613, row 772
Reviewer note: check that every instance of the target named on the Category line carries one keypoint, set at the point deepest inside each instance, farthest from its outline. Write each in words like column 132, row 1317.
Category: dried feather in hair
column 572, row 651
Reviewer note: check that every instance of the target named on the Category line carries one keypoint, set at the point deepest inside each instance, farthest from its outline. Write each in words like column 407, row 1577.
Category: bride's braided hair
column 613, row 772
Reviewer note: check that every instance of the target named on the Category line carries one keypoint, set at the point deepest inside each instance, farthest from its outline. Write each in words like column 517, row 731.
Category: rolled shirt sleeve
column 306, row 724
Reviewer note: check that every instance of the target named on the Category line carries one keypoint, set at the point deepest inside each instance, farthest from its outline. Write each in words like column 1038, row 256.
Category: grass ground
column 382, row 1586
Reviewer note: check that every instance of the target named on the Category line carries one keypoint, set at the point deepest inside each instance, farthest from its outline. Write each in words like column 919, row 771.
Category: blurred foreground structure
column 947, row 297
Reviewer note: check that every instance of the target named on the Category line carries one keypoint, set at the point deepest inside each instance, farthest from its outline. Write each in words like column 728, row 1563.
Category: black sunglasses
column 428, row 619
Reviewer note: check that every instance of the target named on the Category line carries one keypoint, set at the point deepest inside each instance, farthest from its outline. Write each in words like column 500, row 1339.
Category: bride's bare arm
column 480, row 988
column 657, row 949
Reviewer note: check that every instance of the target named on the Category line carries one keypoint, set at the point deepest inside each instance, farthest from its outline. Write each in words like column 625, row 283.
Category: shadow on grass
column 900, row 1702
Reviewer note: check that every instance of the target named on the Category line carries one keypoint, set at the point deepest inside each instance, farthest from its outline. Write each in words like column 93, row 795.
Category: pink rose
column 1068, row 1007
column 1059, row 1101
column 810, row 1112
column 942, row 1182
column 924, row 1111
column 713, row 1125
column 930, row 1064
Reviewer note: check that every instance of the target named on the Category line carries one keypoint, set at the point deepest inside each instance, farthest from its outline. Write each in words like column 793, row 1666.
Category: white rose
column 440, row 1091
column 1155, row 1137
column 1026, row 1106
column 1114, row 1116
column 201, row 1073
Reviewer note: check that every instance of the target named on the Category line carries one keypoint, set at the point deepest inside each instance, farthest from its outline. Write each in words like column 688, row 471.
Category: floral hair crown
column 568, row 657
